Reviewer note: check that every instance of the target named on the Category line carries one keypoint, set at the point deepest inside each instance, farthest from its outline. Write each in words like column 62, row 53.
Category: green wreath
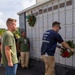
column 31, row 20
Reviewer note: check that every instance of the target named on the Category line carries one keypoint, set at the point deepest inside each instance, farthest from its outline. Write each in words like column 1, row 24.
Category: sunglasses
column 59, row 27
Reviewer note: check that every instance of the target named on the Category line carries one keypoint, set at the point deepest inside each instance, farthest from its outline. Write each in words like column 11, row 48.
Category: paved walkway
column 20, row 71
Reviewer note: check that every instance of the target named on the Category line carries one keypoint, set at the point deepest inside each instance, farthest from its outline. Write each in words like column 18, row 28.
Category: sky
column 9, row 8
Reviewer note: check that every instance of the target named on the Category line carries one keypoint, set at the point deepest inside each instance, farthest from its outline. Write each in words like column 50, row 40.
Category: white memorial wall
column 62, row 11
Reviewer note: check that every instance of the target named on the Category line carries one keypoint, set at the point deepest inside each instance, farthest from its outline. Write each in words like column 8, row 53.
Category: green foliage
column 65, row 51
column 2, row 31
column 71, row 44
column 17, row 33
column 31, row 20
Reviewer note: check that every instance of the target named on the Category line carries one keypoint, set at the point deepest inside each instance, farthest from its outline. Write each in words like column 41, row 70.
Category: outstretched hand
column 72, row 50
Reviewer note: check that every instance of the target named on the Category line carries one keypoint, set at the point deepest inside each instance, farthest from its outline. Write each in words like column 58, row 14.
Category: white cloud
column 1, row 14
column 28, row 3
column 9, row 8
column 2, row 24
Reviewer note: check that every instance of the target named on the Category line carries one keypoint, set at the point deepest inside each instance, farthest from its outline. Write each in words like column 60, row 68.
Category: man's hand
column 67, row 46
column 10, row 64
column 72, row 50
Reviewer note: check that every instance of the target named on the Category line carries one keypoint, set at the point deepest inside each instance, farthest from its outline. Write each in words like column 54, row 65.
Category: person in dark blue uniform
column 49, row 44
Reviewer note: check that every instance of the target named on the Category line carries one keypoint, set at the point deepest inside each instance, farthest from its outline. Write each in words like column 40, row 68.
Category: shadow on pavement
column 20, row 71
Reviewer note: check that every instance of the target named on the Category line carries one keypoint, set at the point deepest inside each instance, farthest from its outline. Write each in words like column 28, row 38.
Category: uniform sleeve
column 28, row 41
column 9, row 40
column 59, row 38
column 18, row 42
